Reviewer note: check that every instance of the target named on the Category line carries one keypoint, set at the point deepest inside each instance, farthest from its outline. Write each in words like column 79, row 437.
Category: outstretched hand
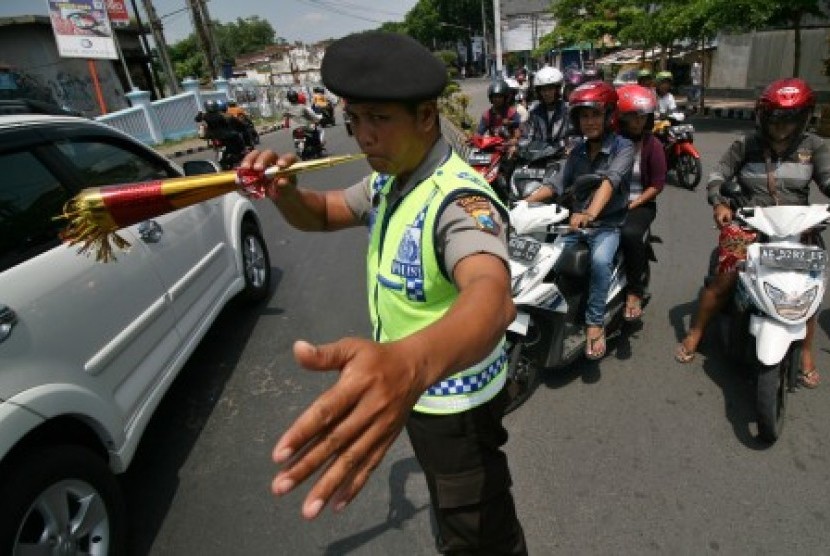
column 347, row 430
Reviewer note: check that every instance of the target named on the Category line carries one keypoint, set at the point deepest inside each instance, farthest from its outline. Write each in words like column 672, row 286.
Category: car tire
column 256, row 263
column 62, row 498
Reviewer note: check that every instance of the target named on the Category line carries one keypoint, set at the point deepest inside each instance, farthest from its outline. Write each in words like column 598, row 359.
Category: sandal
column 595, row 347
column 683, row 355
column 809, row 379
column 633, row 310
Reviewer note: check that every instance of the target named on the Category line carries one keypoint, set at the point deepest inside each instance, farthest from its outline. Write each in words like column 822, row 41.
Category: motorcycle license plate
column 793, row 258
column 523, row 249
column 530, row 173
column 478, row 158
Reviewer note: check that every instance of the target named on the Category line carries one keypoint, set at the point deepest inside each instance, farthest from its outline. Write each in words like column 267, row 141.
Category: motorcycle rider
column 635, row 116
column 301, row 115
column 321, row 104
column 645, row 78
column 666, row 105
column 604, row 152
column 222, row 127
column 501, row 118
column 548, row 120
column 249, row 132
column 774, row 164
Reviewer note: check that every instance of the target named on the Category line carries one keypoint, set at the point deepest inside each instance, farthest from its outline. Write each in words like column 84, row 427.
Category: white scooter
column 780, row 287
column 550, row 286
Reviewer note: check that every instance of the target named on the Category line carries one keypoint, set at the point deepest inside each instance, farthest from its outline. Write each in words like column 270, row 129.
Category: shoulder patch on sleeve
column 481, row 211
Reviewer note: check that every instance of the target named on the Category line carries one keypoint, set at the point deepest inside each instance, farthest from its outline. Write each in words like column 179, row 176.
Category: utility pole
column 161, row 46
column 158, row 90
column 202, row 35
column 211, row 36
column 485, row 48
column 497, row 34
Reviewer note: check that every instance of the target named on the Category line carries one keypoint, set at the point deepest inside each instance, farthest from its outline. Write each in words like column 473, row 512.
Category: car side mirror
column 199, row 167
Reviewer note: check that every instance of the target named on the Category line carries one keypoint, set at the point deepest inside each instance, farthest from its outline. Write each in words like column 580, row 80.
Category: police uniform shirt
column 459, row 233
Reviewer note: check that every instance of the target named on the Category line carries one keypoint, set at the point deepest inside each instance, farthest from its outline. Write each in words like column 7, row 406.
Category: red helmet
column 593, row 94
column 785, row 100
column 635, row 99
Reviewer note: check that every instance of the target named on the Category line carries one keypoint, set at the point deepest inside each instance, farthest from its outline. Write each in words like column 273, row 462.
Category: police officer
column 439, row 299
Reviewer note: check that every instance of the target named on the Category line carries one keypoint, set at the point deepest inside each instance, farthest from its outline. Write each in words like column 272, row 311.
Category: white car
column 88, row 349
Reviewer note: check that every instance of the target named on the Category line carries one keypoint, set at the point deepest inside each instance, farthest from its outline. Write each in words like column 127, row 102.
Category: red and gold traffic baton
column 96, row 214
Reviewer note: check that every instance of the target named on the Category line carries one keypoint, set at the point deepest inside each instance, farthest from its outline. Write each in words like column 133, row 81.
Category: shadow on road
column 735, row 382
column 400, row 510
column 151, row 482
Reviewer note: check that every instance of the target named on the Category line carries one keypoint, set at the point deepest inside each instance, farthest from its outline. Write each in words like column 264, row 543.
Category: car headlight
column 791, row 306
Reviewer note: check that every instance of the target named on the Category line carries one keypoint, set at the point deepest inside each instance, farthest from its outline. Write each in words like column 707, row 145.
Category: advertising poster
column 82, row 29
column 118, row 14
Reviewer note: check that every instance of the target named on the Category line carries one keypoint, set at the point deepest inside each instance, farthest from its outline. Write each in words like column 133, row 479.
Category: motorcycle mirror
column 730, row 189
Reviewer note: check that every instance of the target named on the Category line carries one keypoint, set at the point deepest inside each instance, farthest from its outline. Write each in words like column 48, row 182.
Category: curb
column 730, row 113
column 193, row 150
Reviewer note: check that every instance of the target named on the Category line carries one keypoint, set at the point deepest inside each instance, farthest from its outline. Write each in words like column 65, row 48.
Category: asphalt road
column 635, row 455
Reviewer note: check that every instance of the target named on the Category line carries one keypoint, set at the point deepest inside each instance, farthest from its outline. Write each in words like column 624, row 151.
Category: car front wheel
column 61, row 500
column 256, row 263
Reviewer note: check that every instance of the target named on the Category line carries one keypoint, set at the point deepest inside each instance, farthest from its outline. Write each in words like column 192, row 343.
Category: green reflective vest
column 407, row 288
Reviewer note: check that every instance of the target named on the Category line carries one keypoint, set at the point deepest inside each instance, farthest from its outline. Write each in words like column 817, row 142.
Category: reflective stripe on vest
column 406, row 288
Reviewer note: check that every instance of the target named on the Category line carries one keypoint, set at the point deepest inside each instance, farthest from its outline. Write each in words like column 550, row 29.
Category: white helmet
column 548, row 76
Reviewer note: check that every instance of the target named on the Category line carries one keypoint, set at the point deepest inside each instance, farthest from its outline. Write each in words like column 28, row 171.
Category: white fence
column 172, row 118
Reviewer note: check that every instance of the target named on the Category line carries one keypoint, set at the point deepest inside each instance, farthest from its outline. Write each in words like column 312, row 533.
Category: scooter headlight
column 790, row 306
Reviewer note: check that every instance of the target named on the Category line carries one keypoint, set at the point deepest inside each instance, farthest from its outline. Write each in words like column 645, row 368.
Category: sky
column 295, row 20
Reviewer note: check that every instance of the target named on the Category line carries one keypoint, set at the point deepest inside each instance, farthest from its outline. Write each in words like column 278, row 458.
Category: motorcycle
column 307, row 142
column 681, row 154
column 780, row 287
column 549, row 283
column 486, row 158
column 535, row 161
column 229, row 156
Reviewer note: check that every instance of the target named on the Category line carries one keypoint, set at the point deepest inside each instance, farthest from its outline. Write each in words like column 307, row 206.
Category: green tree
column 243, row 36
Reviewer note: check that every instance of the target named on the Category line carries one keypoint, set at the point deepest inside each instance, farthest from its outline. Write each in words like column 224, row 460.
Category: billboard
column 118, row 14
column 82, row 29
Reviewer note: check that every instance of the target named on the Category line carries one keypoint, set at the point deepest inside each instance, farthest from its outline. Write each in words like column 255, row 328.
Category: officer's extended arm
column 304, row 209
column 350, row 427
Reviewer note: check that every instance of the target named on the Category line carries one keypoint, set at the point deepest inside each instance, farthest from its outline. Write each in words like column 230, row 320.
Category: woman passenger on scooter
column 602, row 152
column 635, row 114
column 773, row 165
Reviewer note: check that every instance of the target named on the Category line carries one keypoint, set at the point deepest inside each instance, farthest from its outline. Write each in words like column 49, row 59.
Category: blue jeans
column 603, row 243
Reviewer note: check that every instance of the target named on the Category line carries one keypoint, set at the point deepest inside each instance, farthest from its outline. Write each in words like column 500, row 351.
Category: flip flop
column 683, row 355
column 809, row 379
column 591, row 351
column 633, row 311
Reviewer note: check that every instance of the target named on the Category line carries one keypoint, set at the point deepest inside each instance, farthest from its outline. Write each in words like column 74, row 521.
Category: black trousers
column 634, row 247
column 469, row 480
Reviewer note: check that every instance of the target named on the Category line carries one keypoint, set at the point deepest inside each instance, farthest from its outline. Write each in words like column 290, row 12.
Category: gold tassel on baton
column 96, row 214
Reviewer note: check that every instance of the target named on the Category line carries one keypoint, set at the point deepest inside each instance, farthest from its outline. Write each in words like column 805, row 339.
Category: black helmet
column 318, row 90
column 499, row 87
column 211, row 106
column 293, row 97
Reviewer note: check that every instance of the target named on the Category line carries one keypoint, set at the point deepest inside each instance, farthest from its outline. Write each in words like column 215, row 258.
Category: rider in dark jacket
column 775, row 164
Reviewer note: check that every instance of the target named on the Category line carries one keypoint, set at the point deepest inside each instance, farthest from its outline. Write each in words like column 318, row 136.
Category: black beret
column 378, row 66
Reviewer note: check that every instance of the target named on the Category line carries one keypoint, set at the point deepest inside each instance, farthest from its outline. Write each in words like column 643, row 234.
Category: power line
column 339, row 11
column 358, row 7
